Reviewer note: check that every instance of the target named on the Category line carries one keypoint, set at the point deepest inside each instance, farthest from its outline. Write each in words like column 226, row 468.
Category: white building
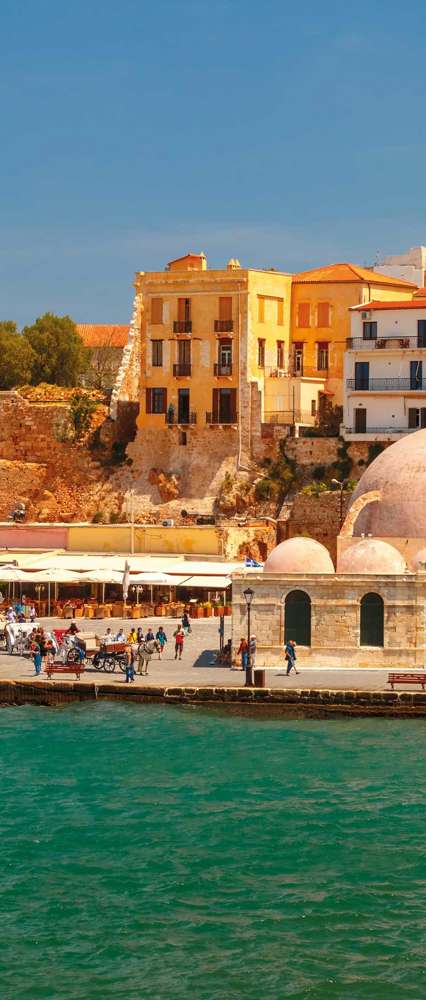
column 385, row 370
column 411, row 266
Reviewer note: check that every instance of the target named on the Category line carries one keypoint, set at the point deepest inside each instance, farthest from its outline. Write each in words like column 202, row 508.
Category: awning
column 206, row 582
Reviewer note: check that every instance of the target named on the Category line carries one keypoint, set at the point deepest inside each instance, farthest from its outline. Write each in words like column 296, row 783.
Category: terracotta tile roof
column 403, row 304
column 348, row 273
column 103, row 335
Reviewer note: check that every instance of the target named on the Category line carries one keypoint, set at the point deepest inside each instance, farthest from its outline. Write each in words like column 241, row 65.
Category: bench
column 64, row 668
column 407, row 679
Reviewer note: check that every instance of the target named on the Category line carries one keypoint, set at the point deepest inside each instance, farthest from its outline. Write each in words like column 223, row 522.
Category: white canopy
column 150, row 579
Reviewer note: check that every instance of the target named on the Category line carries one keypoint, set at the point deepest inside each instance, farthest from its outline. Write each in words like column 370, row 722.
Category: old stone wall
column 314, row 516
column 335, row 623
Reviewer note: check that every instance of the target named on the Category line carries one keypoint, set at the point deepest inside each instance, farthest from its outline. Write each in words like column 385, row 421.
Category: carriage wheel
column 123, row 662
column 109, row 664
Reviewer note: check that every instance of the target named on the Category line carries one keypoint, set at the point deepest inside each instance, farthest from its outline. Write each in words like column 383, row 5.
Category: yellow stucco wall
column 340, row 296
column 204, row 289
column 191, row 539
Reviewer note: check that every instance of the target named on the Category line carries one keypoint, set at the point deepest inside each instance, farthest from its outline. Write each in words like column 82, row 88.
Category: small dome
column 371, row 555
column 299, row 555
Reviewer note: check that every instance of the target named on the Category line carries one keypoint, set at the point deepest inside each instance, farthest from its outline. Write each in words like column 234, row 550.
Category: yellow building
column 320, row 317
column 208, row 337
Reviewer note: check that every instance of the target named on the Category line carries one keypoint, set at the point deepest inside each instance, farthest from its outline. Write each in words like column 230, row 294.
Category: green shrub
column 81, row 411
column 315, row 489
column 265, row 489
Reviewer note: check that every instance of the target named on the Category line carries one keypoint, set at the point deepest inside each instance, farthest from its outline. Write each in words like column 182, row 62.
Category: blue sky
column 285, row 134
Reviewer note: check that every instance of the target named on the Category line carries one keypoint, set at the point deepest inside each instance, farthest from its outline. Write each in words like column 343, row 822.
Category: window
column 261, row 353
column 280, row 312
column 421, row 333
column 360, row 420
column 298, row 359
column 323, row 314
column 156, row 311
column 183, row 406
column 184, row 352
column 184, row 310
column 298, row 618
column 156, row 400
column 322, row 363
column 369, row 331
column 304, row 314
column 362, row 375
column 224, row 406
column 313, row 407
column 225, row 356
column 261, row 308
column 416, row 417
column 157, row 353
column 416, row 375
column 280, row 354
column 225, row 307
column 371, row 621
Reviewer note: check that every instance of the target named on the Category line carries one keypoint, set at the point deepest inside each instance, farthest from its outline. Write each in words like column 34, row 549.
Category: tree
column 16, row 356
column 60, row 355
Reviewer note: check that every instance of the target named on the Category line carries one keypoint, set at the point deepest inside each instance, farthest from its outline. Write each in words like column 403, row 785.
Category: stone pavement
column 197, row 666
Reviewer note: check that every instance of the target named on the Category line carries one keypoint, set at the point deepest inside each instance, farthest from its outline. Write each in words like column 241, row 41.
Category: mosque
column 371, row 609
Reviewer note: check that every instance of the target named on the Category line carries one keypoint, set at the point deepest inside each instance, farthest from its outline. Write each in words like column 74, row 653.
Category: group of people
column 42, row 649
column 20, row 612
column 144, row 647
column 247, row 653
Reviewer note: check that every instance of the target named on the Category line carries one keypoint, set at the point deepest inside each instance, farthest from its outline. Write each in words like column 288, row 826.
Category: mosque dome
column 399, row 474
column 371, row 555
column 420, row 557
column 299, row 555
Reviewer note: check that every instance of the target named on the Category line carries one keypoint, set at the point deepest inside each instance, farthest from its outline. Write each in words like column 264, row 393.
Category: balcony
column 180, row 420
column 221, row 371
column 389, row 341
column 223, row 325
column 182, row 370
column 182, row 326
column 385, row 385
column 384, row 432
column 290, row 417
column 216, row 418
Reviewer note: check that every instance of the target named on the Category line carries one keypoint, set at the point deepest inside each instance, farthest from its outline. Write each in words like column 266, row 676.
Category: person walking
column 290, row 656
column 179, row 636
column 149, row 635
column 186, row 624
column 161, row 639
column 37, row 659
column 252, row 651
column 243, row 651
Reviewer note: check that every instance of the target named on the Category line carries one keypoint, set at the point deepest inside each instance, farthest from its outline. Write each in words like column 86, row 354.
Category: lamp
column 248, row 597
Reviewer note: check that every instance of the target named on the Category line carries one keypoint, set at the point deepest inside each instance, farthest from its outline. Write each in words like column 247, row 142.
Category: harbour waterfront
column 149, row 852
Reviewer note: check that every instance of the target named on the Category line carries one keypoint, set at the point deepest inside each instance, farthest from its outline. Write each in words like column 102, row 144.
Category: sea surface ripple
column 180, row 853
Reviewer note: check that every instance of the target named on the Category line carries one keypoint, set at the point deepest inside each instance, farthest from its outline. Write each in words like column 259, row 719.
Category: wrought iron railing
column 223, row 325
column 221, row 370
column 174, row 419
column 216, row 418
column 181, row 370
column 386, row 384
column 390, row 341
column 182, row 326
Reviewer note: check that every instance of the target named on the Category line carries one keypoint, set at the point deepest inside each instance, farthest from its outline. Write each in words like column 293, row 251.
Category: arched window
column 297, row 622
column 372, row 621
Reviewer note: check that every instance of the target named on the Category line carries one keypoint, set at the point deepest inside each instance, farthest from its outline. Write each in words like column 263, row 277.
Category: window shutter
column 280, row 312
column 423, row 417
column 156, row 310
column 233, row 404
column 181, row 310
column 164, row 410
column 148, row 400
column 323, row 314
column 261, row 308
column 216, row 403
column 412, row 417
column 304, row 314
column 225, row 307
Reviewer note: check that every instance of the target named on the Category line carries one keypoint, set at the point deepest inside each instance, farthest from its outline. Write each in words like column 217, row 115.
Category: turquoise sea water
column 175, row 853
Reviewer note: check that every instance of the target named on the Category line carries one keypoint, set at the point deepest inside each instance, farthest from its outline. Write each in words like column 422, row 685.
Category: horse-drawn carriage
column 84, row 648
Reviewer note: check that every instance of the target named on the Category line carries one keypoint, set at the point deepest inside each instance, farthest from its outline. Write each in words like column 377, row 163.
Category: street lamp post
column 248, row 597
column 341, row 485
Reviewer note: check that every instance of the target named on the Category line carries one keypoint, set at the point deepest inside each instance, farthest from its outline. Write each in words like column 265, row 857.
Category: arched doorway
column 372, row 621
column 297, row 620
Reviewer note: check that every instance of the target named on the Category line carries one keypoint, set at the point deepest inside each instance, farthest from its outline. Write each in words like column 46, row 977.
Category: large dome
column 371, row 555
column 399, row 473
column 299, row 555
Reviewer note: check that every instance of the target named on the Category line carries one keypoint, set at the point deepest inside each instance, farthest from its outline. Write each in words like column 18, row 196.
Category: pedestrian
column 179, row 636
column 161, row 639
column 132, row 636
column 252, row 651
column 146, row 651
column 290, row 656
column 10, row 616
column 140, row 634
column 120, row 637
column 32, row 613
column 130, row 671
column 37, row 658
column 149, row 636
column 50, row 651
column 108, row 638
column 186, row 624
column 243, row 651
